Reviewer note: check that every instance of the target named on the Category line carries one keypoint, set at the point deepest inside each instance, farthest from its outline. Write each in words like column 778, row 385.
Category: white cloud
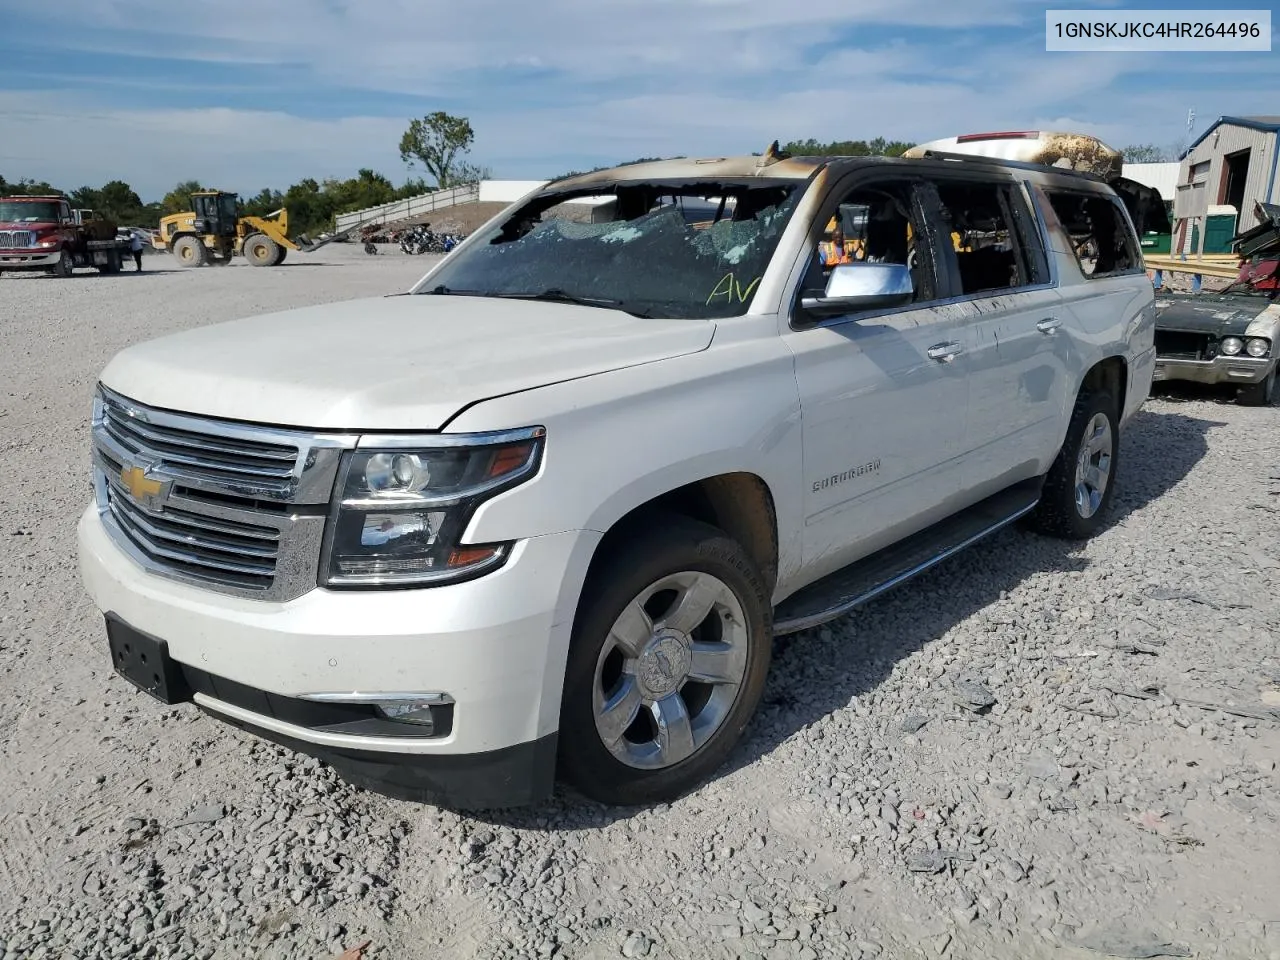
column 386, row 44
column 44, row 135
column 631, row 78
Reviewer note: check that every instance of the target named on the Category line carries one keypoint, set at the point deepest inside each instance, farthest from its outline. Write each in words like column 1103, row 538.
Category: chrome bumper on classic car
column 1221, row 369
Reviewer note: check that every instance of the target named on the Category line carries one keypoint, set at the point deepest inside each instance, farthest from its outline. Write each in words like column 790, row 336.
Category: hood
column 27, row 225
column 1216, row 315
column 408, row 362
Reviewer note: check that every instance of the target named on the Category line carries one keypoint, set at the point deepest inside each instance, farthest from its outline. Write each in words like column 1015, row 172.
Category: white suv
column 542, row 515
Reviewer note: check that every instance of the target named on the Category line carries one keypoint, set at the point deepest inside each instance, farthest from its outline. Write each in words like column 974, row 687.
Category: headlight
column 47, row 243
column 1257, row 346
column 402, row 509
column 1232, row 345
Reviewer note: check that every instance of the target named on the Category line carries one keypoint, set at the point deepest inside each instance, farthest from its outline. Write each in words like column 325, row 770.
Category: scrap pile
column 1259, row 250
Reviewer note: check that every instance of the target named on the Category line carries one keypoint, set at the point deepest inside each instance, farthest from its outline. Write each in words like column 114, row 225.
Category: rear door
column 1106, row 289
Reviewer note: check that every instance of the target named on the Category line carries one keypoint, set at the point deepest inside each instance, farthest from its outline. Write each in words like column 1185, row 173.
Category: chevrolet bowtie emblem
column 145, row 490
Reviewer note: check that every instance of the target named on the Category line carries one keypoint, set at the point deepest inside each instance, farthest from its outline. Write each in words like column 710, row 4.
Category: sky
column 243, row 96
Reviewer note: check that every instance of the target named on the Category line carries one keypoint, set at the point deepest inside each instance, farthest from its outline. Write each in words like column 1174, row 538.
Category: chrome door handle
column 1048, row 324
column 945, row 352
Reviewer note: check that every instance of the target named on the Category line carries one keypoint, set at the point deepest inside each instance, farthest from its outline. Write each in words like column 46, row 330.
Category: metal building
column 1231, row 165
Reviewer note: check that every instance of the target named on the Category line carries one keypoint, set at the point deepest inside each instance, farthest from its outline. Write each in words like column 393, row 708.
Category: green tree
column 86, row 198
column 27, row 188
column 117, row 201
column 879, row 147
column 178, row 200
column 1146, row 153
column 439, row 142
column 265, row 201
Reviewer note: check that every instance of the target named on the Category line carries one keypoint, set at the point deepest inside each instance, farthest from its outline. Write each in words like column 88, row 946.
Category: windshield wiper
column 556, row 295
column 442, row 290
column 552, row 294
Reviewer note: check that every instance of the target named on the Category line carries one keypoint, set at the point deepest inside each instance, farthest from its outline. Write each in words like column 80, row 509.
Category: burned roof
column 702, row 168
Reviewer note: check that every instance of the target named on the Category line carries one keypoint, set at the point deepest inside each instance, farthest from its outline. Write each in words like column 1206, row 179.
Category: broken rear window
column 653, row 249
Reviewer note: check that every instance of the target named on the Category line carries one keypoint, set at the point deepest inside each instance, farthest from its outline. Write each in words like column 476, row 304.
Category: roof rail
column 1016, row 164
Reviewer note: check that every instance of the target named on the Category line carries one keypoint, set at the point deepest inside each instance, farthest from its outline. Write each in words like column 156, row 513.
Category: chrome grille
column 17, row 239
column 232, row 507
column 251, row 468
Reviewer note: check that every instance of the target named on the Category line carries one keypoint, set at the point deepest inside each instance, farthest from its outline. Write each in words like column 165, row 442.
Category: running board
column 838, row 593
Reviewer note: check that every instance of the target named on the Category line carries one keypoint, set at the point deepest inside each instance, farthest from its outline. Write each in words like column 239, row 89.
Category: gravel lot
column 1010, row 758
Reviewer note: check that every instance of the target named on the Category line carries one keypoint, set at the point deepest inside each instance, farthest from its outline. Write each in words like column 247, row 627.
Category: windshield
column 12, row 211
column 679, row 250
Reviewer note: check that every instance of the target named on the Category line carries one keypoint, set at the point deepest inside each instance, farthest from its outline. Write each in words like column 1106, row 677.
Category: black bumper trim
column 516, row 776
column 177, row 682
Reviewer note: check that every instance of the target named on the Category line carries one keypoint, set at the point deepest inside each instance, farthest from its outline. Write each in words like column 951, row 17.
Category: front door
column 883, row 394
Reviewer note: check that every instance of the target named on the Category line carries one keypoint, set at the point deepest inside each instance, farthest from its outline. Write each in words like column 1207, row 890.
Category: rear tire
column 113, row 263
column 667, row 663
column 260, row 250
column 190, row 252
column 1258, row 394
column 1081, row 483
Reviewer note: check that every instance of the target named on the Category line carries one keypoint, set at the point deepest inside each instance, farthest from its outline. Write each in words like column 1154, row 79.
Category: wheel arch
column 1110, row 374
column 739, row 502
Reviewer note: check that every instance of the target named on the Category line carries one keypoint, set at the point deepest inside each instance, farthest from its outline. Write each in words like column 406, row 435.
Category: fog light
column 417, row 712
column 414, row 708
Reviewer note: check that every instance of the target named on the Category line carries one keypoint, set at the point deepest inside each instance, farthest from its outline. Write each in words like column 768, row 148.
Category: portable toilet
column 1219, row 228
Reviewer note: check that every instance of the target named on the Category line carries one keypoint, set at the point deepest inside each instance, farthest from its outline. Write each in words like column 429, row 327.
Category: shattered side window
column 653, row 250
column 1101, row 238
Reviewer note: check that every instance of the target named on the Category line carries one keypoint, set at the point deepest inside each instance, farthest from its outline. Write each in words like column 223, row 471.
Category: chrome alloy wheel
column 1093, row 465
column 670, row 670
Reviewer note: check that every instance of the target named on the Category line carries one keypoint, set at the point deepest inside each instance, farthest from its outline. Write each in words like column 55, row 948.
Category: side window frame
column 1124, row 224
column 1027, row 234
column 927, row 244
column 1032, row 238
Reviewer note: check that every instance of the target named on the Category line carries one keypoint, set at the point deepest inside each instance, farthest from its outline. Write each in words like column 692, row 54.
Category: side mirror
column 862, row 286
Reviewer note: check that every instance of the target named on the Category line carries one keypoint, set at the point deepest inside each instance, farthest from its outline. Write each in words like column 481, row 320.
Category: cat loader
column 213, row 231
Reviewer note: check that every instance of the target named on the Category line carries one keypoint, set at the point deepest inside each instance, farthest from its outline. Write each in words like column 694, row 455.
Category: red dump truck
column 47, row 234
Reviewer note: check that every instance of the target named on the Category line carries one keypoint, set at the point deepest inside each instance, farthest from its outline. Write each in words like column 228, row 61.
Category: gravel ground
column 1035, row 751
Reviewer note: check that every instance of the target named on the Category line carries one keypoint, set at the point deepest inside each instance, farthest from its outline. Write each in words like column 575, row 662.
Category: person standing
column 135, row 247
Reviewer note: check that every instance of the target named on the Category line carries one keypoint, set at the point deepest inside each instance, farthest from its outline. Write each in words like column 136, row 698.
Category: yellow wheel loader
column 213, row 231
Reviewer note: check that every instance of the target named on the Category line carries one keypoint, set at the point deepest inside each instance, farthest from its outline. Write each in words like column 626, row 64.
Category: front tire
column 1080, row 485
column 668, row 660
column 190, row 252
column 260, row 250
column 1258, row 394
column 64, row 266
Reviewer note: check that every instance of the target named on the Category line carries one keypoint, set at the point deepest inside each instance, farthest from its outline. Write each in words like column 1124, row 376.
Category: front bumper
column 28, row 259
column 495, row 646
column 1238, row 369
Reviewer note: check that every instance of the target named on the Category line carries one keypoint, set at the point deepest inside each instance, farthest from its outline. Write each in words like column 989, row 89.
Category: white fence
column 412, row 207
